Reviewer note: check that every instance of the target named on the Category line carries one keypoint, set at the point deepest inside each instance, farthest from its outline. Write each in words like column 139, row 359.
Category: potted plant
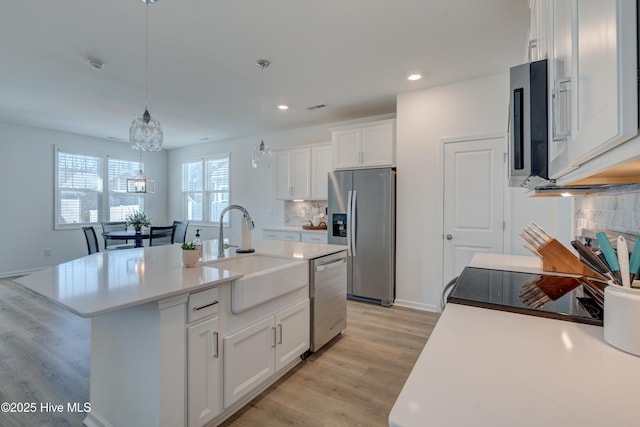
column 138, row 220
column 190, row 254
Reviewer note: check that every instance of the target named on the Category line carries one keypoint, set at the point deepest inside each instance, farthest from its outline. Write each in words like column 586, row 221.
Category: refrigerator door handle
column 353, row 222
column 349, row 224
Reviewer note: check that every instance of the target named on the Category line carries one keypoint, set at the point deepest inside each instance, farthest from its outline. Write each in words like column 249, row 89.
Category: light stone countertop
column 487, row 367
column 113, row 280
column 291, row 228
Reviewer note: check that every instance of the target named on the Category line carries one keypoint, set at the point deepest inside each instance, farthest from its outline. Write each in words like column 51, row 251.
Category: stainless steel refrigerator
column 362, row 215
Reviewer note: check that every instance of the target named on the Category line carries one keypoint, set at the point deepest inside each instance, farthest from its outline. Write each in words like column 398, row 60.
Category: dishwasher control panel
column 339, row 225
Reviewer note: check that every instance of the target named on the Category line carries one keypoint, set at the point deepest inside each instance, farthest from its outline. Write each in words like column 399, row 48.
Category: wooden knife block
column 556, row 257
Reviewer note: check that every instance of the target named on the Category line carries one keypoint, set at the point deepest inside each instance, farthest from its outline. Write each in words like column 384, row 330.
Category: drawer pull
column 205, row 306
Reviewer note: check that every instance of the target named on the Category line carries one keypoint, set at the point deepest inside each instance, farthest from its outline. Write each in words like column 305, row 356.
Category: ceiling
column 354, row 56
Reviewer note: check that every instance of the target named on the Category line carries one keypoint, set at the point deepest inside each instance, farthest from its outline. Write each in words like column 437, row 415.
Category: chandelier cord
column 146, row 59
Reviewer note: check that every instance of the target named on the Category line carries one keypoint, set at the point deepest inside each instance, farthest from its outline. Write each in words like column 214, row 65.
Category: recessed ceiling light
column 414, row 77
column 283, row 107
column 96, row 64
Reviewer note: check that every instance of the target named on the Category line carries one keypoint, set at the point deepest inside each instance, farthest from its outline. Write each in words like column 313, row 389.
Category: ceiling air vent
column 315, row 107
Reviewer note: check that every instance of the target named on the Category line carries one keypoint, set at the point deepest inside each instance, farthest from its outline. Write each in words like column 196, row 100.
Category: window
column 81, row 194
column 205, row 189
column 122, row 203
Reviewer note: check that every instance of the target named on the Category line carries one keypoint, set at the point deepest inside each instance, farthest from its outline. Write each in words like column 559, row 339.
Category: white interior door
column 473, row 201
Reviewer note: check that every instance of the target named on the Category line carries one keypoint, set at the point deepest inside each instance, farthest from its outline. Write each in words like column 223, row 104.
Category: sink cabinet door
column 248, row 359
column 204, row 369
column 292, row 333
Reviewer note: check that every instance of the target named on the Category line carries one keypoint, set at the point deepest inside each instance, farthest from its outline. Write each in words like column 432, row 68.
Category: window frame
column 104, row 196
column 205, row 193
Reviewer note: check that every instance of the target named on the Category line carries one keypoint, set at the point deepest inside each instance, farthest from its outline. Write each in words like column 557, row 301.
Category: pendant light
column 140, row 183
column 262, row 153
column 145, row 133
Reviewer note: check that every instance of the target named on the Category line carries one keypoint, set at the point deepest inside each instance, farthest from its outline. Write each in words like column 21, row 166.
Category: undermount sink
column 265, row 278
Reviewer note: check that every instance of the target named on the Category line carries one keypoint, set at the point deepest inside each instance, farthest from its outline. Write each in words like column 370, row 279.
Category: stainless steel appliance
column 556, row 297
column 528, row 119
column 362, row 215
column 328, row 290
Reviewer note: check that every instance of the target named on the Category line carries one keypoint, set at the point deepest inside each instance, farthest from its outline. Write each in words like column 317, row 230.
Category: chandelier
column 262, row 153
column 145, row 133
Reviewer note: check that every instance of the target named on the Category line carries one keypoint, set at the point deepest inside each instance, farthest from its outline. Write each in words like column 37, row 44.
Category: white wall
column 251, row 188
column 27, row 194
column 424, row 118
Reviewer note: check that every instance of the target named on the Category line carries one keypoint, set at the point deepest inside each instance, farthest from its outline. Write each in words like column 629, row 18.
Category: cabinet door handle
column 274, row 336
column 205, row 306
column 561, row 109
column 533, row 44
column 280, row 327
column 216, row 346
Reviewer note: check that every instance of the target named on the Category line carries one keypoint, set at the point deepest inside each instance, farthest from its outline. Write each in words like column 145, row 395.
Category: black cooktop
column 564, row 298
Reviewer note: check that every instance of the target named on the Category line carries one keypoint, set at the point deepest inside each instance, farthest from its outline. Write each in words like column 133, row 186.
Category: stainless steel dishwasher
column 328, row 295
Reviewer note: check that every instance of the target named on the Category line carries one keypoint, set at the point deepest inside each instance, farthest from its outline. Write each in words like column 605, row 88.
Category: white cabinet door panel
column 292, row 333
column 204, row 367
column 248, row 359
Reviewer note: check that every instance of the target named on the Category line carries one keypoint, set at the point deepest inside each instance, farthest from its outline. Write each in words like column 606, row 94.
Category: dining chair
column 180, row 235
column 161, row 235
column 92, row 240
column 115, row 226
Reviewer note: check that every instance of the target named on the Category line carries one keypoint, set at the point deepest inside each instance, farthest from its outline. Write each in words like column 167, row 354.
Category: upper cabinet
column 301, row 173
column 293, row 179
column 321, row 165
column 537, row 39
column 592, row 80
column 364, row 145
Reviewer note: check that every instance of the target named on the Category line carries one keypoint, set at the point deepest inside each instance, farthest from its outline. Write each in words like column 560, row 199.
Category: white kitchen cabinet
column 593, row 84
column 537, row 41
column 204, row 364
column 292, row 334
column 314, row 237
column 292, row 236
column 257, row 352
column 321, row 165
column 366, row 145
column 293, row 175
column 249, row 359
column 204, row 372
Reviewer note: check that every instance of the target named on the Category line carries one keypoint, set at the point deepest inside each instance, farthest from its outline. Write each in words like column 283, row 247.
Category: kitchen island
column 165, row 343
column 486, row 367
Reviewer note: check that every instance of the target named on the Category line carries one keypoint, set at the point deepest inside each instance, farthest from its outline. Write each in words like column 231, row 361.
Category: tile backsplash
column 617, row 211
column 297, row 214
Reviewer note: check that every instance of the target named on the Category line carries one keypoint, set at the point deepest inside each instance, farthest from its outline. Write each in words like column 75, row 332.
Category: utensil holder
column 622, row 318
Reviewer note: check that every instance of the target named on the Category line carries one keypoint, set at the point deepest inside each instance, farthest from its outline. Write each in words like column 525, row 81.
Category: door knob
column 449, row 237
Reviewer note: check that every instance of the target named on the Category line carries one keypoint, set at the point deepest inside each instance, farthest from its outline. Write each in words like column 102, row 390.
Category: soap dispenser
column 197, row 242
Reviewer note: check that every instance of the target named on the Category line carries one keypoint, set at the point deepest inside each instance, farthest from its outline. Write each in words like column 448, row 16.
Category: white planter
column 190, row 258
column 622, row 318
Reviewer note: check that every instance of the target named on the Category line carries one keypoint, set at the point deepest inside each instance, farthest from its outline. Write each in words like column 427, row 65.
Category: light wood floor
column 353, row 381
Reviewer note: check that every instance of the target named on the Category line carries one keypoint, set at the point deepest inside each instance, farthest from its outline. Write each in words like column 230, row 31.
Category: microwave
column 529, row 121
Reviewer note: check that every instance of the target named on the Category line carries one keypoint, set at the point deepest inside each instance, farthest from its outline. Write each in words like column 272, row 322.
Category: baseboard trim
column 416, row 305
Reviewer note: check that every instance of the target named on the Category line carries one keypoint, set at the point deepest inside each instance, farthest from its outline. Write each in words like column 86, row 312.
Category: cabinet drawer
column 292, row 236
column 314, row 237
column 202, row 304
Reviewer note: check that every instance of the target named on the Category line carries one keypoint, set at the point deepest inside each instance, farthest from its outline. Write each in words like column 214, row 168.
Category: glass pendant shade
column 140, row 184
column 145, row 133
column 261, row 156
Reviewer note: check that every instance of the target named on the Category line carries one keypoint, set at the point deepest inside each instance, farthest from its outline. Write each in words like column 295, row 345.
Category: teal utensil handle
column 607, row 250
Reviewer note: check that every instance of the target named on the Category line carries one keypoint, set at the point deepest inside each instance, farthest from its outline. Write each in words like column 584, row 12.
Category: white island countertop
column 113, row 280
column 485, row 367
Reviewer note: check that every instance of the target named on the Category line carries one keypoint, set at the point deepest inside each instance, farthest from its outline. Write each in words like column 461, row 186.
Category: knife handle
column 634, row 262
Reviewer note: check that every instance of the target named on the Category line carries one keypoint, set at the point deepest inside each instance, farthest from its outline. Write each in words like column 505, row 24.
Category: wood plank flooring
column 353, row 381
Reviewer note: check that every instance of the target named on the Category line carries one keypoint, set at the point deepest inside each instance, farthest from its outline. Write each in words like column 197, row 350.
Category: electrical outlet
column 47, row 252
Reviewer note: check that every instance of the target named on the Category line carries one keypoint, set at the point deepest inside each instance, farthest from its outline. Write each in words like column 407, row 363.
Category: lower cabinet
column 257, row 352
column 204, row 377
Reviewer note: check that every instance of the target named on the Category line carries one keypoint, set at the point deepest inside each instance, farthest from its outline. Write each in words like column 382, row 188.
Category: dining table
column 138, row 237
